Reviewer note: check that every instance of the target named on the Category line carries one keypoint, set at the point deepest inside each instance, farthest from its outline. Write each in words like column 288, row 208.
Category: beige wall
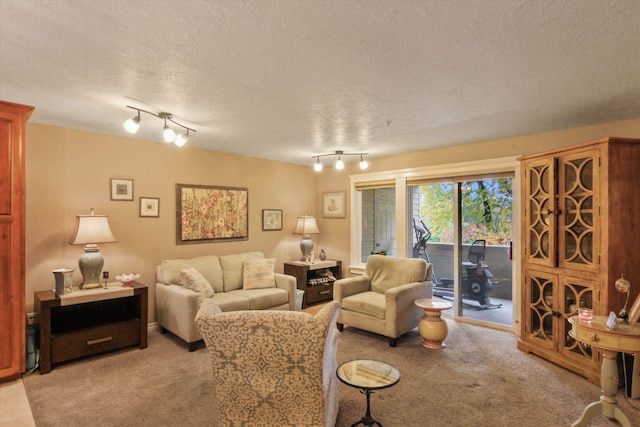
column 335, row 233
column 68, row 173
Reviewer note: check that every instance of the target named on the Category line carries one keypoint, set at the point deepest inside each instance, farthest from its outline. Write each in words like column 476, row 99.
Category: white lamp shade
column 91, row 229
column 132, row 125
column 168, row 134
column 306, row 225
column 181, row 139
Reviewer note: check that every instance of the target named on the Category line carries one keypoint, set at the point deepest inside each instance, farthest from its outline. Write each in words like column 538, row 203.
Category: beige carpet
column 480, row 379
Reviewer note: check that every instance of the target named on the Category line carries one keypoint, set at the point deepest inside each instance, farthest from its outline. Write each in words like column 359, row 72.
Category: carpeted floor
column 479, row 379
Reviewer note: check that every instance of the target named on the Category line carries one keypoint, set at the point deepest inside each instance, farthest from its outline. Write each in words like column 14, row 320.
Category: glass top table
column 368, row 375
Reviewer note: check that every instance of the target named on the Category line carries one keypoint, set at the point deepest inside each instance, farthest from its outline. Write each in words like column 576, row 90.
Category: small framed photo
column 333, row 205
column 271, row 219
column 121, row 189
column 149, row 207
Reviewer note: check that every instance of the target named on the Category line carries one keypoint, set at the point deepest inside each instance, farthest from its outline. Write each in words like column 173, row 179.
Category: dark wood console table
column 314, row 279
column 93, row 321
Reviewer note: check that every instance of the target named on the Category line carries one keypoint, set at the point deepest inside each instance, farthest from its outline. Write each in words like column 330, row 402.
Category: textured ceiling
column 286, row 80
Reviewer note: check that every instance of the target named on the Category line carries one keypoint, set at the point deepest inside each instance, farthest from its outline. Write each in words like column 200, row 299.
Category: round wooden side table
column 432, row 327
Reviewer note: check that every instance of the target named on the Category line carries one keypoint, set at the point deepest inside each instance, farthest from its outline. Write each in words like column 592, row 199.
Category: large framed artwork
column 333, row 205
column 208, row 214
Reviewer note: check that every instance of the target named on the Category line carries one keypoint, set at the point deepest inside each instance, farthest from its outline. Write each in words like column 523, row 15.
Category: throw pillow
column 192, row 279
column 258, row 273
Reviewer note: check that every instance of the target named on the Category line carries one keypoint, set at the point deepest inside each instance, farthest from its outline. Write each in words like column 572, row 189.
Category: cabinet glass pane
column 541, row 308
column 540, row 207
column 577, row 228
column 575, row 296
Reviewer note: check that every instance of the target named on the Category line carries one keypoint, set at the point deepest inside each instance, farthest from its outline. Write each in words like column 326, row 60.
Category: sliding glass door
column 464, row 228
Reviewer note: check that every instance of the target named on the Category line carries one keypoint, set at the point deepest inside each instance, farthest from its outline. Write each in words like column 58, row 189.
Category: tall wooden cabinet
column 581, row 231
column 13, row 118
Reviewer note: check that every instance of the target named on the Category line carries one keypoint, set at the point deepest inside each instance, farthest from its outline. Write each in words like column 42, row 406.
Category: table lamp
column 306, row 225
column 623, row 286
column 90, row 230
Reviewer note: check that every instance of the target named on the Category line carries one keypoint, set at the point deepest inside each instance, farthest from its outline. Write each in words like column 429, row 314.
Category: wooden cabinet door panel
column 5, row 166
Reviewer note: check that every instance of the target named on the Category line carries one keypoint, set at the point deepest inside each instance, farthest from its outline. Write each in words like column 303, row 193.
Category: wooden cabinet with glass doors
column 581, row 216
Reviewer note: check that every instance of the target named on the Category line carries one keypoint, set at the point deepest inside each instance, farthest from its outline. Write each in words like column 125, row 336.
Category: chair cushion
column 208, row 266
column 258, row 273
column 227, row 301
column 388, row 272
column 263, row 299
column 369, row 303
column 192, row 279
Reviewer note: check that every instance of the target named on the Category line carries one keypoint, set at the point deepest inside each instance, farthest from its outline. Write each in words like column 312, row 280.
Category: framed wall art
column 634, row 312
column 271, row 219
column 333, row 205
column 149, row 207
column 121, row 189
column 208, row 214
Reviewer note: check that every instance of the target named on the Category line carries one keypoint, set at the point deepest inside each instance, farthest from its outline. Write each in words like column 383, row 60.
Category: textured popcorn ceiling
column 289, row 79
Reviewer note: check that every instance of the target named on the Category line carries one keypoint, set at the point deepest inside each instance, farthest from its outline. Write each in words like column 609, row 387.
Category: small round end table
column 432, row 327
column 368, row 375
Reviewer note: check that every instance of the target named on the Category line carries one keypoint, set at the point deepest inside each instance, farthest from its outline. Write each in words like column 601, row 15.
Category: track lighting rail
column 133, row 124
column 339, row 163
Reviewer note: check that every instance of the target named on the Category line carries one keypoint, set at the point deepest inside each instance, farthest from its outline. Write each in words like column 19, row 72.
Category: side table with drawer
column 315, row 279
column 88, row 322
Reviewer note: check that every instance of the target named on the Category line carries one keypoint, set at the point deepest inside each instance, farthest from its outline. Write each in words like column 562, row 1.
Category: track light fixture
column 339, row 163
column 133, row 124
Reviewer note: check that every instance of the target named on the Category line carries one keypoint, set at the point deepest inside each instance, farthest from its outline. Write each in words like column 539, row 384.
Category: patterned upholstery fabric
column 273, row 368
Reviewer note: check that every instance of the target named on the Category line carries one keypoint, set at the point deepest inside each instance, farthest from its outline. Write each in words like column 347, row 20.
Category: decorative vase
column 64, row 280
column 323, row 254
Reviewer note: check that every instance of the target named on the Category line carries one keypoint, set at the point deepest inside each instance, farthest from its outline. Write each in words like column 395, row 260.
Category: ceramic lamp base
column 91, row 263
column 306, row 246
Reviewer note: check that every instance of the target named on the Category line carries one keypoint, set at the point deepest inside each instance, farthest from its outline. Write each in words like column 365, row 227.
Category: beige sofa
column 177, row 306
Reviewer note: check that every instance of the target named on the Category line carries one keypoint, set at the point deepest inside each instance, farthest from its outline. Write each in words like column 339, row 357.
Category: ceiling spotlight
column 339, row 163
column 363, row 163
column 182, row 139
column 167, row 133
column 133, row 124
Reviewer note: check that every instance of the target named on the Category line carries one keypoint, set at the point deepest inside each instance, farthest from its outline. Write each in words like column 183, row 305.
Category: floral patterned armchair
column 273, row 367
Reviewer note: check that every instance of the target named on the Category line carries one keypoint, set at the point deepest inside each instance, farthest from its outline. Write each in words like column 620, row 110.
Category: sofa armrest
column 288, row 283
column 176, row 307
column 350, row 286
column 400, row 300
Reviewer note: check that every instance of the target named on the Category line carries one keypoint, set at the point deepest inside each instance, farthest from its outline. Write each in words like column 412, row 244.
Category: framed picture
column 121, row 189
column 634, row 312
column 149, row 207
column 208, row 214
column 271, row 219
column 333, row 205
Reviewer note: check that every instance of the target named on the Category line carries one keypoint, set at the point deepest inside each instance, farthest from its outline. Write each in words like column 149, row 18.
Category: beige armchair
column 381, row 301
column 273, row 367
